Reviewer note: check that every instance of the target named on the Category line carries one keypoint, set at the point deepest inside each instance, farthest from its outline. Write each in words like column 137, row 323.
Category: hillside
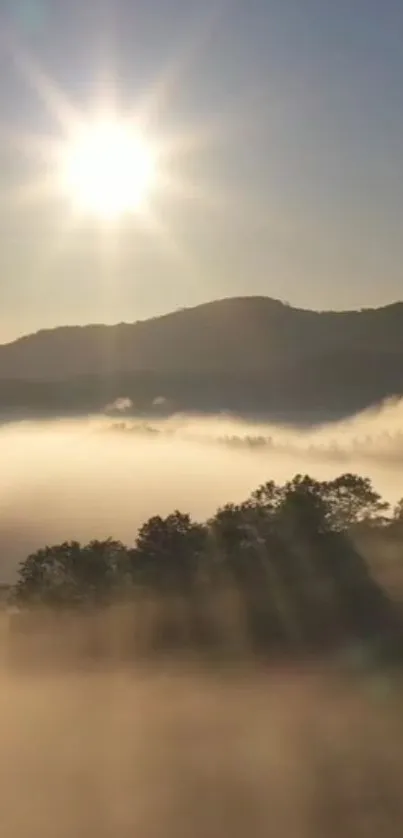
column 249, row 354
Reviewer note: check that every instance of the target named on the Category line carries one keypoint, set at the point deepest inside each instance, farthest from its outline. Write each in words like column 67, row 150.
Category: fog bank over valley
column 103, row 477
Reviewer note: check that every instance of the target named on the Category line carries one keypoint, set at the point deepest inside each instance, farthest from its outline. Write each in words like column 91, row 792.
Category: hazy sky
column 294, row 187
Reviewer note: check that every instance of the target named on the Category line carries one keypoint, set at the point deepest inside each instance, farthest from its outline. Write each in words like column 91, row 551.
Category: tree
column 268, row 497
column 322, row 514
column 347, row 501
column 168, row 553
column 168, row 562
column 398, row 512
column 254, row 557
column 72, row 574
column 352, row 500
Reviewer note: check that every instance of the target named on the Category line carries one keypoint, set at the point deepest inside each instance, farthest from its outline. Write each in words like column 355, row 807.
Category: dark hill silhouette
column 250, row 354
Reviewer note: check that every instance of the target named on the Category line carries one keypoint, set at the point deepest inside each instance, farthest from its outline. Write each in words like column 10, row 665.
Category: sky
column 287, row 126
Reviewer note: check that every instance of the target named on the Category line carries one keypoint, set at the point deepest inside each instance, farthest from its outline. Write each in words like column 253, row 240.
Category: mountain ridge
column 280, row 304
column 241, row 353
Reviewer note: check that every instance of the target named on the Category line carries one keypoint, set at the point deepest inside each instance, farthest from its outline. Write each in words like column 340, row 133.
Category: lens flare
column 108, row 170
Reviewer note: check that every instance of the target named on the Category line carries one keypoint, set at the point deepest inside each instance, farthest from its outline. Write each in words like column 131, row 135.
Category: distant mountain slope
column 251, row 353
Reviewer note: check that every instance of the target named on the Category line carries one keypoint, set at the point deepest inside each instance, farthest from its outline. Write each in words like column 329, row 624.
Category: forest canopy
column 288, row 556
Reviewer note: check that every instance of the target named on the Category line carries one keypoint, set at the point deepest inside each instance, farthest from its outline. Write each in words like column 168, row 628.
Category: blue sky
column 301, row 106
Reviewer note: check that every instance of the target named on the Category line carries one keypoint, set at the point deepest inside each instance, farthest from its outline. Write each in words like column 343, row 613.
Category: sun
column 107, row 169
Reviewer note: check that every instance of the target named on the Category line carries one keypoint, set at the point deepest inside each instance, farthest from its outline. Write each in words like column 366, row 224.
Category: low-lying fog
column 84, row 479
column 187, row 755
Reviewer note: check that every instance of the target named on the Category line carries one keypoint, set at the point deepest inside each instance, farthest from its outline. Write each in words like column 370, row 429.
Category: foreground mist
column 187, row 751
column 83, row 479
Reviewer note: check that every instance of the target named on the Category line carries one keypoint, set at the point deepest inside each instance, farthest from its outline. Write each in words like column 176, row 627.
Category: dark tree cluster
column 286, row 560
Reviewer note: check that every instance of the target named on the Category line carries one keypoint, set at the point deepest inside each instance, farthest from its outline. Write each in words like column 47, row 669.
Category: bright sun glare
column 107, row 170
